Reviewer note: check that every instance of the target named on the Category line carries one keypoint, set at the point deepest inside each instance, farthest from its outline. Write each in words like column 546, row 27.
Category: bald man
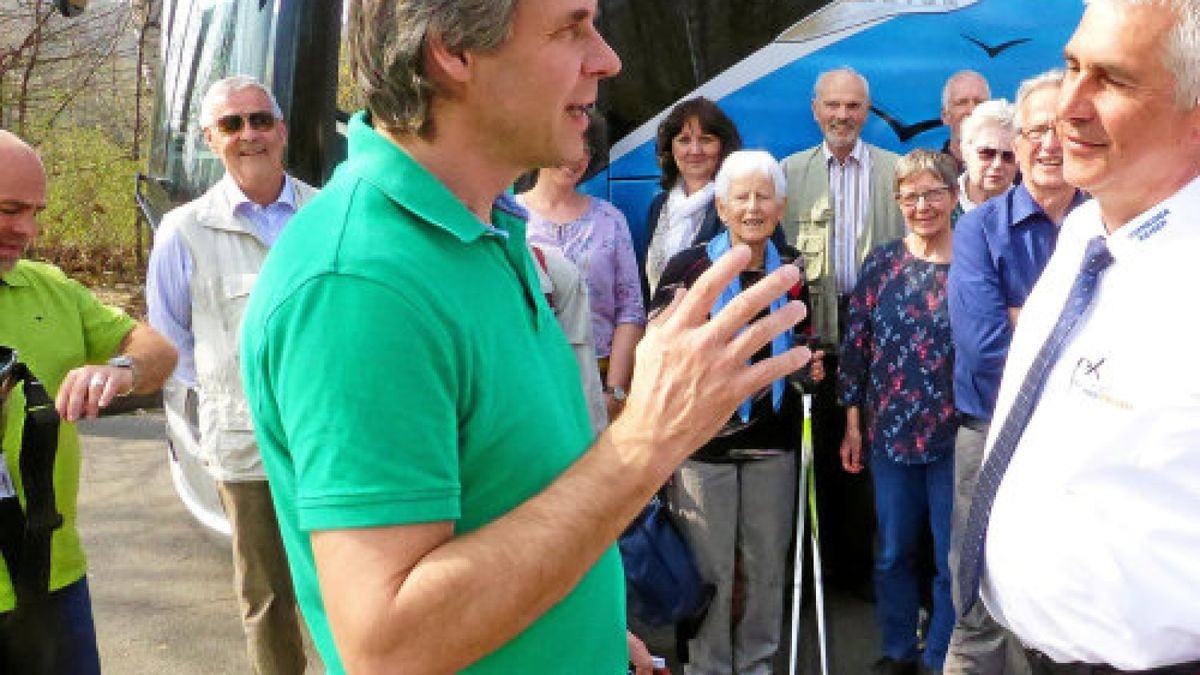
column 86, row 354
column 962, row 92
column 840, row 207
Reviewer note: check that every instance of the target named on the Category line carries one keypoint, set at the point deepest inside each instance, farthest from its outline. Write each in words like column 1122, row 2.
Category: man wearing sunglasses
column 86, row 354
column 1000, row 249
column 206, row 257
column 987, row 140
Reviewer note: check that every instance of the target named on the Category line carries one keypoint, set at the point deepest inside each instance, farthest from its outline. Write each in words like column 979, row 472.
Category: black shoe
column 890, row 666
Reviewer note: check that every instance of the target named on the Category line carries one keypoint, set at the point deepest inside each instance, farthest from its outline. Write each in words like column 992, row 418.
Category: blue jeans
column 906, row 497
column 71, row 633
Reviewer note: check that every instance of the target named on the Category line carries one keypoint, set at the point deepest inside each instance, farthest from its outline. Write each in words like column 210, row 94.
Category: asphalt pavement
column 162, row 586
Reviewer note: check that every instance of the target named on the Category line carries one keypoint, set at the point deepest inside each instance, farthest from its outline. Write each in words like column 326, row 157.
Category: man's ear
column 446, row 67
column 208, row 138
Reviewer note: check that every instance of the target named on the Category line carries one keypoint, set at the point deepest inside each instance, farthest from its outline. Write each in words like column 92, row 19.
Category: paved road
column 161, row 587
column 162, row 590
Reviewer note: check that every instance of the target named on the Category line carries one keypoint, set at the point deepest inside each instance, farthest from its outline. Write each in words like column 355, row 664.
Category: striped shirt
column 849, row 186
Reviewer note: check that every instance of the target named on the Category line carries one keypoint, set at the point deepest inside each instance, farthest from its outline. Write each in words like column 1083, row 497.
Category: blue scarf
column 719, row 246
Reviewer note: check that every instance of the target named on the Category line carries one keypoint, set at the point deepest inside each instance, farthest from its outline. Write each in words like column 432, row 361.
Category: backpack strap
column 540, row 256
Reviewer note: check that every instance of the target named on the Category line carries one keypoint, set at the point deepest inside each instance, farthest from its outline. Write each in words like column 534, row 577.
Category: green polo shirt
column 402, row 367
column 55, row 324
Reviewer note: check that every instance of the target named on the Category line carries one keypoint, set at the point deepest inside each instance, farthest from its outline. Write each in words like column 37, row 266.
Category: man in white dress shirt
column 206, row 257
column 1094, row 536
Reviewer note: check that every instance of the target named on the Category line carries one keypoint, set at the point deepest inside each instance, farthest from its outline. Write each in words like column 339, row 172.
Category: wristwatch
column 125, row 361
column 618, row 393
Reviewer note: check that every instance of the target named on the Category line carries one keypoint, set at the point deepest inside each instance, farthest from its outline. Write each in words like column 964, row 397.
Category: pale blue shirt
column 168, row 278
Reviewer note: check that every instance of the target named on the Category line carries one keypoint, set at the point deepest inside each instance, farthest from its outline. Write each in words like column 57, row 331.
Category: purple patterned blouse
column 599, row 243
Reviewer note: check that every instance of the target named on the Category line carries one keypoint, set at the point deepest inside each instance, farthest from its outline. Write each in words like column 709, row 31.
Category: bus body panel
column 906, row 59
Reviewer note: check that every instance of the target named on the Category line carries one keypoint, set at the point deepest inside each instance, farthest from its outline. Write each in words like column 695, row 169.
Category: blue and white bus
column 758, row 59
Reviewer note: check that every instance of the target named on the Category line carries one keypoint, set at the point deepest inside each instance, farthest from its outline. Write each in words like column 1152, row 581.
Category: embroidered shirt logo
column 1087, row 378
column 1153, row 225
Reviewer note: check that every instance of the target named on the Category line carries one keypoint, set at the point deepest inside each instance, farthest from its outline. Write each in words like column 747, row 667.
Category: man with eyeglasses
column 988, row 151
column 1000, row 249
column 206, row 257
column 86, row 354
column 961, row 94
column 1085, row 526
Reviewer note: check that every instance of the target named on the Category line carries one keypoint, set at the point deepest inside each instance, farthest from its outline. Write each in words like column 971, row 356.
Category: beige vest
column 226, row 258
column 810, row 221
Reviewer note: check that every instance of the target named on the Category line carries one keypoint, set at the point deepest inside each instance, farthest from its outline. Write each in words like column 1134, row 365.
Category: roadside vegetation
column 79, row 90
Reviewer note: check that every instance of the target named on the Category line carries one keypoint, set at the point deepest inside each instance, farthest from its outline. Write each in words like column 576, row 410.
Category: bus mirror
column 70, row 7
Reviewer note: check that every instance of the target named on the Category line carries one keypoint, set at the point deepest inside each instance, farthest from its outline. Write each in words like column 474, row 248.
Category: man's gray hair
column 962, row 75
column 221, row 89
column 1181, row 52
column 1049, row 79
column 387, row 40
column 996, row 113
column 745, row 162
column 844, row 70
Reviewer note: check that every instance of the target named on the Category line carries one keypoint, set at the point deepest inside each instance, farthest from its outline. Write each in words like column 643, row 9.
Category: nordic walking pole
column 818, row 581
column 798, row 562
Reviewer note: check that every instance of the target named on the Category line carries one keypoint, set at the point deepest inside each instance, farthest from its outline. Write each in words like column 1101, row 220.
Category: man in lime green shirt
column 419, row 412
column 58, row 328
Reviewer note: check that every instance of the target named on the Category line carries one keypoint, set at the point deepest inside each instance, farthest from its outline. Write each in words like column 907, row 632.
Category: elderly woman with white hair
column 988, row 151
column 734, row 498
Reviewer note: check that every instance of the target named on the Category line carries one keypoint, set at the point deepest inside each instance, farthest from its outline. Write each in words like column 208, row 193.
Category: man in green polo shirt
column 418, row 410
column 64, row 334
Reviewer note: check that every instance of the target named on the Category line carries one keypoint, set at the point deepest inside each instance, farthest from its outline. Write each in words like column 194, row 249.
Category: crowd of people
column 510, row 371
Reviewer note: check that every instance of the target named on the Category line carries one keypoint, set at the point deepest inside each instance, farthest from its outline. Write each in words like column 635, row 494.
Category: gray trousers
column 725, row 510
column 978, row 645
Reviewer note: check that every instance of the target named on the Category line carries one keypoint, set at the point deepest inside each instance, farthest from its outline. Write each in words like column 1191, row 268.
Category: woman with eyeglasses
column 987, row 141
column 895, row 381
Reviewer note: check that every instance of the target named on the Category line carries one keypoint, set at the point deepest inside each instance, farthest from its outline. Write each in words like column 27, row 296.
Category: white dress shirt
column 1093, row 548
column 850, row 190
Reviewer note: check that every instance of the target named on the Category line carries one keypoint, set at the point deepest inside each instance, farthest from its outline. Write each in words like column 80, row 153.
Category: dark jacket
column 767, row 428
column 709, row 228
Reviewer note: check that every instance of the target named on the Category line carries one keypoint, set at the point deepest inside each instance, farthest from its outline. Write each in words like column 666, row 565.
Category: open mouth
column 581, row 110
column 1077, row 143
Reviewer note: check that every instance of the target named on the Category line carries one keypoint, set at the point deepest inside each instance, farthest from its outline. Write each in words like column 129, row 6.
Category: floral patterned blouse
column 897, row 356
column 599, row 243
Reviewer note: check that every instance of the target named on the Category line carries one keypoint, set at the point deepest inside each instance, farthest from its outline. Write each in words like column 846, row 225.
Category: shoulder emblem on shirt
column 1153, row 225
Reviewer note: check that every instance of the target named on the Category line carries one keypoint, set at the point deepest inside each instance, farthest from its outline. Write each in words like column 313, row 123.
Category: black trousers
column 845, row 501
column 1040, row 664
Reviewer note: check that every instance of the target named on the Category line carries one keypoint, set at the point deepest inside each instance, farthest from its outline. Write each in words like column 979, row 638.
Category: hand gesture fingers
column 698, row 300
column 749, row 341
column 752, row 301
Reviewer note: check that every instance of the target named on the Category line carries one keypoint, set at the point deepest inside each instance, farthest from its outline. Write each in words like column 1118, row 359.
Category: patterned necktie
column 1095, row 260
